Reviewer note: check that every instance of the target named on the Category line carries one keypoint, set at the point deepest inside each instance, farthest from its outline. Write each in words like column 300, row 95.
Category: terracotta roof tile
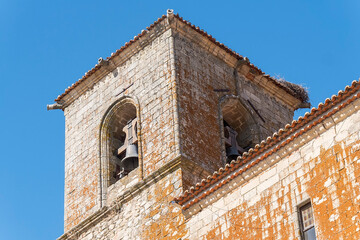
column 197, row 29
column 223, row 176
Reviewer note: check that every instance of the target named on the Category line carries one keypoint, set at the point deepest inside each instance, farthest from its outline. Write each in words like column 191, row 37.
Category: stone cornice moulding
column 96, row 217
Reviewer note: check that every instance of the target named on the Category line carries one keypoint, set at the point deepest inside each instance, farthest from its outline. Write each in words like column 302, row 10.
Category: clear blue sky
column 46, row 46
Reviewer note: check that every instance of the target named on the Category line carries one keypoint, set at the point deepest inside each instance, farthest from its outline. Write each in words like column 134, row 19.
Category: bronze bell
column 233, row 150
column 130, row 161
column 232, row 153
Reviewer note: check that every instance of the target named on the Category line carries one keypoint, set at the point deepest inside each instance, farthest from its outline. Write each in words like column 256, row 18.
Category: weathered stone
column 182, row 86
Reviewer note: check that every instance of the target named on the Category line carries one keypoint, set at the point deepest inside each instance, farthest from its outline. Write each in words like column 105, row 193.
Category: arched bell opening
column 119, row 141
column 123, row 142
column 240, row 130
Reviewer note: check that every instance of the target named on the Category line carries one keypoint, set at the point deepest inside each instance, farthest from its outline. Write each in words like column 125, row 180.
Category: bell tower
column 161, row 113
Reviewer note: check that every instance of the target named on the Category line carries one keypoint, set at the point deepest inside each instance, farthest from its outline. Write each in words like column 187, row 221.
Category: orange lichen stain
column 74, row 219
column 90, row 205
column 214, row 233
column 75, row 213
column 165, row 219
column 258, row 221
column 169, row 224
column 333, row 185
column 333, row 188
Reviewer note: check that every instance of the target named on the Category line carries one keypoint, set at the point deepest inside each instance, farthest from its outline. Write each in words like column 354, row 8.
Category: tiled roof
column 273, row 144
column 197, row 29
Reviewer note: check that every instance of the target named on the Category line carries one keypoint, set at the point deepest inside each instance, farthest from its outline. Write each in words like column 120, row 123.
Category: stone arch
column 236, row 114
column 112, row 137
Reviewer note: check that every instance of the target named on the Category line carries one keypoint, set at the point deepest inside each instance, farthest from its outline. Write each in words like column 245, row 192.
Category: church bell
column 232, row 152
column 130, row 148
column 130, row 161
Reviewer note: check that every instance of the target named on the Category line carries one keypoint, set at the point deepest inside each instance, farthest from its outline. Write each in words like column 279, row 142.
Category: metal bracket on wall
column 124, row 89
column 221, row 90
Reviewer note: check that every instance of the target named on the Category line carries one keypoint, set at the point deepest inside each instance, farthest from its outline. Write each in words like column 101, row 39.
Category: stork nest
column 298, row 90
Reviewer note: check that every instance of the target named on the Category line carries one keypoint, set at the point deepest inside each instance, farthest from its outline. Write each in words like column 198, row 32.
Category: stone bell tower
column 164, row 111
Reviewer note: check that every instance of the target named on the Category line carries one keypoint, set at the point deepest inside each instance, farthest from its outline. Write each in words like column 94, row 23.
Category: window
column 307, row 227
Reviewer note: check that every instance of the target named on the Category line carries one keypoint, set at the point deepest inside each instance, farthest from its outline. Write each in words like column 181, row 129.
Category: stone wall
column 171, row 79
column 168, row 76
column 321, row 166
column 147, row 215
column 152, row 74
column 200, row 74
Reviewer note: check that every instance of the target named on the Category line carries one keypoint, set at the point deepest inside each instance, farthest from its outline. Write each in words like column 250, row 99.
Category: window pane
column 310, row 234
column 307, row 217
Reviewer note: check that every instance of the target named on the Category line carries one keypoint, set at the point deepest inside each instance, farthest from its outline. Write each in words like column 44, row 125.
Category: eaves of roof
column 113, row 55
column 193, row 27
column 269, row 146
